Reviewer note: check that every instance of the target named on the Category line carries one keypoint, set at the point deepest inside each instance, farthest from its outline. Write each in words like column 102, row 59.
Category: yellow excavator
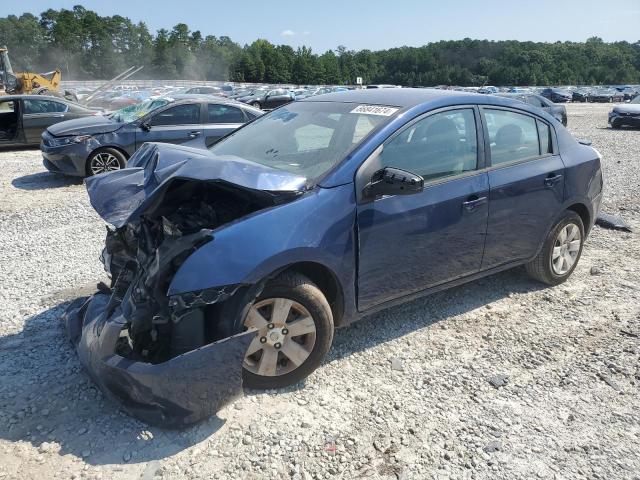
column 18, row 83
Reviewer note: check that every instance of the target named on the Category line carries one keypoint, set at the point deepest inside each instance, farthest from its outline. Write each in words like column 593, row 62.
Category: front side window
column 43, row 106
column 179, row 115
column 513, row 136
column 305, row 138
column 224, row 114
column 440, row 145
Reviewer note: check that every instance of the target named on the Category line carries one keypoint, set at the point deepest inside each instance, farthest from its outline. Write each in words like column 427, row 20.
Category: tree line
column 85, row 45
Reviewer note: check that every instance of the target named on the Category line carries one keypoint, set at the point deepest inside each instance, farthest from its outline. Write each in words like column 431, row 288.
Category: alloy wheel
column 104, row 162
column 566, row 249
column 286, row 335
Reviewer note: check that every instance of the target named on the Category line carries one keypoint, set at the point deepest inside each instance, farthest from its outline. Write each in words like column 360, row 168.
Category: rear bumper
column 173, row 394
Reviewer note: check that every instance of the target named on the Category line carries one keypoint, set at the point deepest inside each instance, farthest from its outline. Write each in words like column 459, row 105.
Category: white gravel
column 498, row 379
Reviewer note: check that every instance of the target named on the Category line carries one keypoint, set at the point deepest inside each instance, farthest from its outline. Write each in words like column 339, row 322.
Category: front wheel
column 560, row 252
column 255, row 104
column 105, row 160
column 294, row 327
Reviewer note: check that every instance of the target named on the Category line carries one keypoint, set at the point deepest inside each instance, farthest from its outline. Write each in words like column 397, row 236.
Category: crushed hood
column 122, row 196
column 85, row 126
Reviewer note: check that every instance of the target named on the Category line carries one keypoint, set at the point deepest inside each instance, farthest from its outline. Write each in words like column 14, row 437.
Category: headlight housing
column 60, row 142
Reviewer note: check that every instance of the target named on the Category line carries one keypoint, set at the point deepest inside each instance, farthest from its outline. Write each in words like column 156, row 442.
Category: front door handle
column 474, row 202
column 194, row 134
column 552, row 179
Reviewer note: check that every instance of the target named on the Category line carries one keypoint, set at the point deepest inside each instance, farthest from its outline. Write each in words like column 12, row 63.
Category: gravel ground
column 498, row 379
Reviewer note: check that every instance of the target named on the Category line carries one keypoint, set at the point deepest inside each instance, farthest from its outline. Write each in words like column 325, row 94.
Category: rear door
column 408, row 243
column 38, row 114
column 526, row 179
column 180, row 124
column 221, row 120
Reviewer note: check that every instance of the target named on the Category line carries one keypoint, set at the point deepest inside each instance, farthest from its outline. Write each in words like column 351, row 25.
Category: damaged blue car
column 233, row 267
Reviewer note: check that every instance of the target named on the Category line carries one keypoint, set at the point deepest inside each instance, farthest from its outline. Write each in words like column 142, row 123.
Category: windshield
column 130, row 113
column 305, row 138
column 635, row 100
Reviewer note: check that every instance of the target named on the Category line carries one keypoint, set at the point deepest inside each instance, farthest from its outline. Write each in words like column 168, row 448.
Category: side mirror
column 146, row 126
column 393, row 181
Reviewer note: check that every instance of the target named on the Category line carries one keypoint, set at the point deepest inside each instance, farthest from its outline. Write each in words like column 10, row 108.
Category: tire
column 303, row 293
column 115, row 158
column 256, row 104
column 542, row 267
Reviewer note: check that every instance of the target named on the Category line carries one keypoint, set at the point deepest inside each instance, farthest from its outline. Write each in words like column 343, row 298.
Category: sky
column 372, row 24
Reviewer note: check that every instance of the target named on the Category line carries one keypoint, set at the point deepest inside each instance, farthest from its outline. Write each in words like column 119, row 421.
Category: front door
column 526, row 182
column 413, row 242
column 39, row 114
column 178, row 124
column 10, row 122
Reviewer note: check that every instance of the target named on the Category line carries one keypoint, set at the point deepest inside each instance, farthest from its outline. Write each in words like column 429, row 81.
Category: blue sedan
column 235, row 266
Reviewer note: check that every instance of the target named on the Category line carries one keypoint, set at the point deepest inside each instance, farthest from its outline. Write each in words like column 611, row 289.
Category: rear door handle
column 194, row 134
column 552, row 179
column 474, row 202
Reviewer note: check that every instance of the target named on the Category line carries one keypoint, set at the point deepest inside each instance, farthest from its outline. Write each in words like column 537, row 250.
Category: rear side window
column 513, row 136
column 440, row 145
column 178, row 115
column 43, row 106
column 224, row 114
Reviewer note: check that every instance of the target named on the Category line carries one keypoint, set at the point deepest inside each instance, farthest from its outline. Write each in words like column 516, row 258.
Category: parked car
column 626, row 114
column 607, row 95
column 557, row 95
column 96, row 145
column 269, row 99
column 23, row 118
column 488, row 90
column 558, row 111
column 630, row 93
column 205, row 90
column 259, row 249
column 581, row 95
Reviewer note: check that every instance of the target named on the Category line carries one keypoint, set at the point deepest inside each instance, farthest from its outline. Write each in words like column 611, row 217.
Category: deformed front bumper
column 179, row 392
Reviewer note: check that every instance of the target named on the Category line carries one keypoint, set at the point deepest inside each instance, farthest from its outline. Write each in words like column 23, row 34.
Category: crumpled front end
column 171, row 360
column 173, row 394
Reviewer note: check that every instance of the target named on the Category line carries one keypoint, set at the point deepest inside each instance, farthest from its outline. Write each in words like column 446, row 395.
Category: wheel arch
column 326, row 280
column 583, row 211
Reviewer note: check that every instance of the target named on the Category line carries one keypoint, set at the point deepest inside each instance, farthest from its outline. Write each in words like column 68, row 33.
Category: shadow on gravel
column 400, row 320
column 47, row 400
column 44, row 180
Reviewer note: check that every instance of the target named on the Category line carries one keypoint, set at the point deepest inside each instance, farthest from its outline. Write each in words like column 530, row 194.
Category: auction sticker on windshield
column 375, row 110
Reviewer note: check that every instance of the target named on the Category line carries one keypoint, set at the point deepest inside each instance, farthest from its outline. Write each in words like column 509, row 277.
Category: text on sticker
column 375, row 110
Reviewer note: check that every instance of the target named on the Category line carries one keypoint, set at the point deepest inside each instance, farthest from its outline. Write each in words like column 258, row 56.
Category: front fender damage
column 170, row 360
column 173, row 394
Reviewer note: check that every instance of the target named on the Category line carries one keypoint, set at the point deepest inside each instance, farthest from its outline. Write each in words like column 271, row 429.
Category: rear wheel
column 105, row 160
column 294, row 332
column 560, row 252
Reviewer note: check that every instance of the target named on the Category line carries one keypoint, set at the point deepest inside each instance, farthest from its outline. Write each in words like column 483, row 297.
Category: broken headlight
column 60, row 142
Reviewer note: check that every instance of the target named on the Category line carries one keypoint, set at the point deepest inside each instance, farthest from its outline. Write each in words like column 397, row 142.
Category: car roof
column 399, row 97
column 34, row 97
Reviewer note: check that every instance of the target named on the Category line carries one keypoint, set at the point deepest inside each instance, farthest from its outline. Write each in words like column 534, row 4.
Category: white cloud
column 287, row 33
